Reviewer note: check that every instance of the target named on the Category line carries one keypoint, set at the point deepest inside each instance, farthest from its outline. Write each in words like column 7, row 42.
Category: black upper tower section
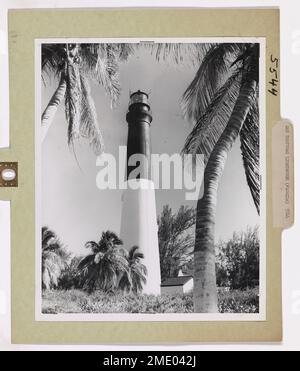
column 139, row 118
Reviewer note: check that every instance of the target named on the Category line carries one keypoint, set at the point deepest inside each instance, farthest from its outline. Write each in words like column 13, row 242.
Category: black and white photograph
column 151, row 179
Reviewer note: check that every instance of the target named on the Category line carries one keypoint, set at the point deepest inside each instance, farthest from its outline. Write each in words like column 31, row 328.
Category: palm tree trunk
column 205, row 287
column 50, row 111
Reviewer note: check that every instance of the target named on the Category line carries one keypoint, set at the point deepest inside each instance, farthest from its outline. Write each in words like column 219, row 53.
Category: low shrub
column 239, row 301
column 77, row 301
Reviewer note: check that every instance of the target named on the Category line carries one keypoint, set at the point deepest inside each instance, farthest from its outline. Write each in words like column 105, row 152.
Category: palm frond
column 108, row 68
column 53, row 59
column 54, row 258
column 212, row 73
column 211, row 125
column 125, row 283
column 140, row 270
column 93, row 246
column 63, row 253
column 251, row 62
column 118, row 261
column 109, row 239
column 46, row 279
column 135, row 254
column 249, row 137
column 87, row 260
column 178, row 53
column 108, row 262
column 89, row 127
column 134, row 276
column 90, row 278
column 100, row 62
column 125, row 50
column 47, row 236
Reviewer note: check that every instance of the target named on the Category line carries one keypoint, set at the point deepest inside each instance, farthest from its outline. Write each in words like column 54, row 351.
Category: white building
column 177, row 285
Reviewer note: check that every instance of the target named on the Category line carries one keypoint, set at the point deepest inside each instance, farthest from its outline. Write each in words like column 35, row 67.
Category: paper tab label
column 283, row 174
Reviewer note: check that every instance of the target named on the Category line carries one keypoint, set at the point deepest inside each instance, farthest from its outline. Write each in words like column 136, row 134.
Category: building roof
column 176, row 281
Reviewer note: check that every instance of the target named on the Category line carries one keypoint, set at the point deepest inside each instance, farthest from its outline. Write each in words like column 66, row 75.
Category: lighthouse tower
column 139, row 220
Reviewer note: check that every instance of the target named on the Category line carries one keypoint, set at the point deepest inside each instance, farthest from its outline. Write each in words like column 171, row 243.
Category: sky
column 77, row 210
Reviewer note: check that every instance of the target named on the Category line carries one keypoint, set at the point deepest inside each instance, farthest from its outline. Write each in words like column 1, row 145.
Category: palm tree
column 103, row 267
column 176, row 242
column 69, row 278
column 54, row 258
column 74, row 65
column 222, row 101
column 136, row 276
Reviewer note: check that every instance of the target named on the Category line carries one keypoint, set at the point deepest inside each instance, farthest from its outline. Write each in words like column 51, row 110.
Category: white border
column 133, row 317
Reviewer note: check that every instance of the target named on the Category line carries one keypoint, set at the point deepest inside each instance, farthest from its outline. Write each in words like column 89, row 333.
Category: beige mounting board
column 25, row 26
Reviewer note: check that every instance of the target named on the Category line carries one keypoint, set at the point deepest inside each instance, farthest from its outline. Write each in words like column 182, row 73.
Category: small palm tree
column 103, row 267
column 136, row 277
column 54, row 258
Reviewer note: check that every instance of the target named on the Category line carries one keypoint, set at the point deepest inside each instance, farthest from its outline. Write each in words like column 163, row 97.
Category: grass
column 77, row 301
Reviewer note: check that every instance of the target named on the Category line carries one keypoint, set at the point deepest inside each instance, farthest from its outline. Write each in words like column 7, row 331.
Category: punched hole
column 8, row 175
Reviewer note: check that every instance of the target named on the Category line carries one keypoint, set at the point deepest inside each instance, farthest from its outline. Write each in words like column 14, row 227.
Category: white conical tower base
column 139, row 228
